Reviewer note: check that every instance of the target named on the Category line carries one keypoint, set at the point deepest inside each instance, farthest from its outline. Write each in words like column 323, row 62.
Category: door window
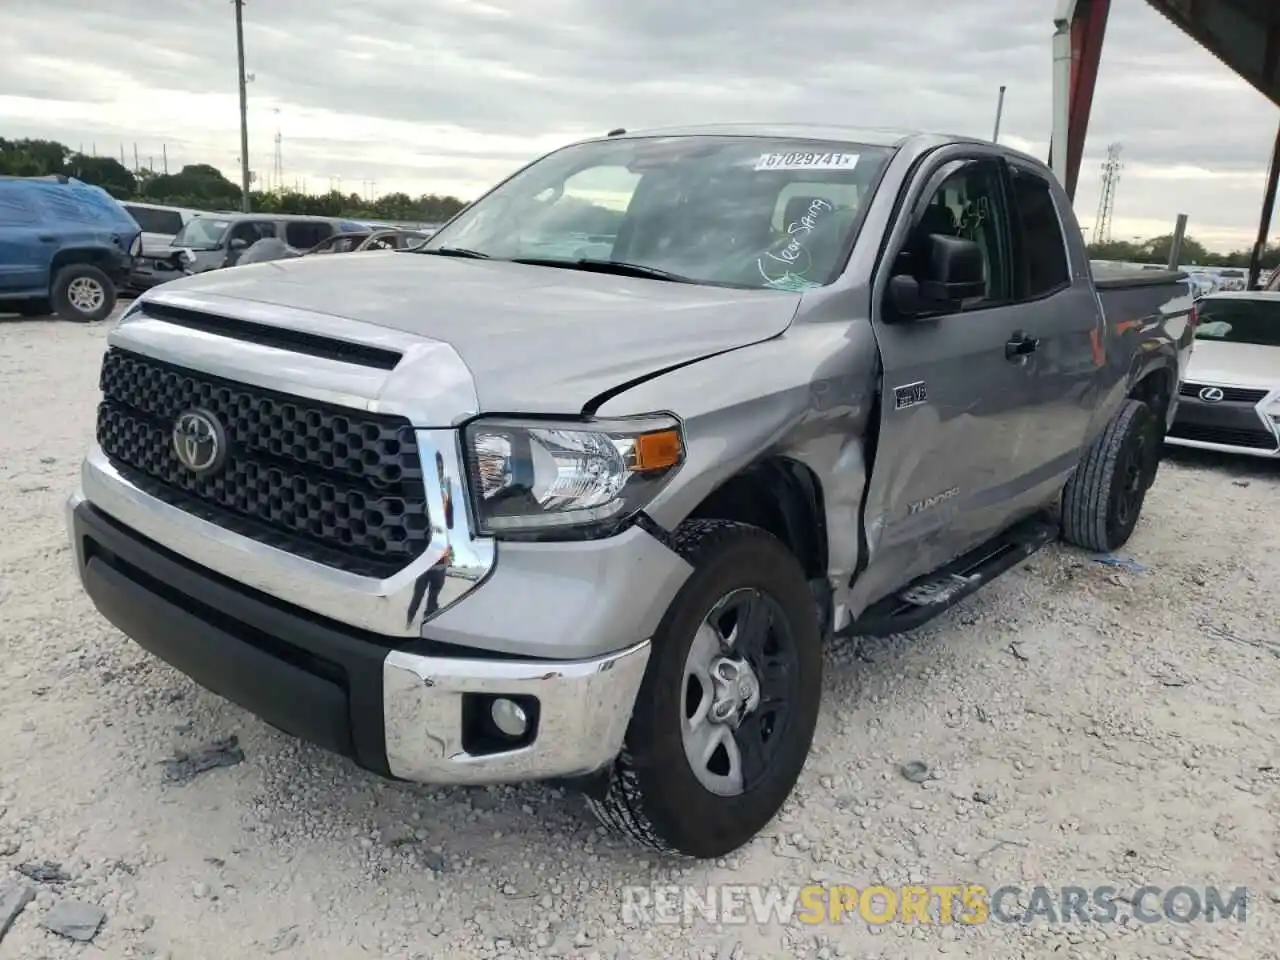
column 305, row 234
column 969, row 204
column 251, row 231
column 1043, row 265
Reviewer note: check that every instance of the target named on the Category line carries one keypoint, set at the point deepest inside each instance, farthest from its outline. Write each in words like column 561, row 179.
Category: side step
column 925, row 598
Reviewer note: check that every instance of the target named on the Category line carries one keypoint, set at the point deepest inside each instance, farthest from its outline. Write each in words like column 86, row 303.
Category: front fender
column 806, row 395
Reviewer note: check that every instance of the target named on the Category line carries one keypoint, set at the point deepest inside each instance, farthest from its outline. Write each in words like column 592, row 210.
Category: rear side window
column 16, row 208
column 304, row 234
column 156, row 221
column 1043, row 262
column 65, row 206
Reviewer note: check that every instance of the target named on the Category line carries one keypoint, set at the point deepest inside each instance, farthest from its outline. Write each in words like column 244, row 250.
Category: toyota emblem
column 199, row 441
column 1211, row 394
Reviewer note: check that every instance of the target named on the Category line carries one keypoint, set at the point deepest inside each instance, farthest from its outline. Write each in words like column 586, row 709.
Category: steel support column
column 1079, row 29
column 1268, row 208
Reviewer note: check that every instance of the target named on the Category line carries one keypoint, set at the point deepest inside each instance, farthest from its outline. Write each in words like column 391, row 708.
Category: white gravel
column 1131, row 739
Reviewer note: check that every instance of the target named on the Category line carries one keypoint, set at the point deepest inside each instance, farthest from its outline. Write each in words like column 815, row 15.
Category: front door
column 953, row 402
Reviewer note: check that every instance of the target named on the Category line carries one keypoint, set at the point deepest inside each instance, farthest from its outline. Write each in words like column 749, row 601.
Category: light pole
column 995, row 136
column 244, row 108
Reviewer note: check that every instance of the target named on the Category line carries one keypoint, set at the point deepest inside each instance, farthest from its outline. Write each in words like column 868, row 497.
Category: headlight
column 534, row 476
column 135, row 246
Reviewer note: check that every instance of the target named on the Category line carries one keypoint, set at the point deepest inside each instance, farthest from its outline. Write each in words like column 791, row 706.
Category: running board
column 925, row 598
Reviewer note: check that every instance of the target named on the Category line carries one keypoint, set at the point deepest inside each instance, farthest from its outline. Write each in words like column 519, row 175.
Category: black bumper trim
column 302, row 675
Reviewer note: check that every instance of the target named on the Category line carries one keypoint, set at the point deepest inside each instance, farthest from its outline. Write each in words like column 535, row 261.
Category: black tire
column 34, row 308
column 653, row 796
column 1103, row 499
column 62, row 298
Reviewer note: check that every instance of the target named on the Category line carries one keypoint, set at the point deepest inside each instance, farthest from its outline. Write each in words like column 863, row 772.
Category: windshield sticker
column 787, row 266
column 807, row 161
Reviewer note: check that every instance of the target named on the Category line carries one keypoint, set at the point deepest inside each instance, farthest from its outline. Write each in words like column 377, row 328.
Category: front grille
column 1230, row 436
column 341, row 487
column 1229, row 394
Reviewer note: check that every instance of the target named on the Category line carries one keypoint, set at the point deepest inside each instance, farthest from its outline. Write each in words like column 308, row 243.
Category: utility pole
column 164, row 152
column 995, row 136
column 244, row 108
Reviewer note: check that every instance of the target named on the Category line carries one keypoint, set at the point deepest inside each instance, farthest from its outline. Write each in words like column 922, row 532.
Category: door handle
column 46, row 238
column 1019, row 345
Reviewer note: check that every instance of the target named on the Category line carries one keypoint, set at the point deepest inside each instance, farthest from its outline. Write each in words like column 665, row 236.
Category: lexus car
column 1229, row 399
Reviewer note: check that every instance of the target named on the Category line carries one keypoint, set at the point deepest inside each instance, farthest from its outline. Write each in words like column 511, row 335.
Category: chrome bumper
column 1273, row 454
column 584, row 709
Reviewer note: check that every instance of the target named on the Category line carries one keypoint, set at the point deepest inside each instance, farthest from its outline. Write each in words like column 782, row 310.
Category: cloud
column 451, row 95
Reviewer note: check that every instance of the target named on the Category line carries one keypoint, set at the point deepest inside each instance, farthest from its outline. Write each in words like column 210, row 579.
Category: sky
column 449, row 96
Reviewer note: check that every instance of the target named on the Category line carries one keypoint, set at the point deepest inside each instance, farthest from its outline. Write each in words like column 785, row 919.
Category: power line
column 1111, row 168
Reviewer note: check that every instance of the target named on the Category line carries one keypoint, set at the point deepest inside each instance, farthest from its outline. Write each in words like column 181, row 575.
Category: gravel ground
column 1085, row 724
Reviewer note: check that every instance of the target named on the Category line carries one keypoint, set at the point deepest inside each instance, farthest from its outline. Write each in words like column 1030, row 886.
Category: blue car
column 65, row 247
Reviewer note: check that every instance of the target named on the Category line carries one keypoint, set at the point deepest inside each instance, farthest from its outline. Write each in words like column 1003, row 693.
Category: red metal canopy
column 1243, row 34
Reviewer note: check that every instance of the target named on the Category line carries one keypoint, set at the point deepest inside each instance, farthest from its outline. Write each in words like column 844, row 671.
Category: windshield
column 733, row 211
column 1240, row 321
column 202, row 233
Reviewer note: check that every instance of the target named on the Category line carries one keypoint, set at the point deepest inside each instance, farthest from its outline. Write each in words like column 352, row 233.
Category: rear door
column 26, row 248
column 953, row 404
column 1057, row 308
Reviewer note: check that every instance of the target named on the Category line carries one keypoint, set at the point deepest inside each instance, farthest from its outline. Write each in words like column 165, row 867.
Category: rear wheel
column 1103, row 499
column 725, row 715
column 83, row 293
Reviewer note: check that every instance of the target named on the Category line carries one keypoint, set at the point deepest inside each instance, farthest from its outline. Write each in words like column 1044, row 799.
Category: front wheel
column 83, row 293
column 1104, row 497
column 726, row 712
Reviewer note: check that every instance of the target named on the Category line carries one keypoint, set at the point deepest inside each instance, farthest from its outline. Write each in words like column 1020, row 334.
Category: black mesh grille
column 338, row 486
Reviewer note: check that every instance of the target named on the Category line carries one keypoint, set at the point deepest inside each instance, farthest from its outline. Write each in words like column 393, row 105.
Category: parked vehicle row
column 511, row 507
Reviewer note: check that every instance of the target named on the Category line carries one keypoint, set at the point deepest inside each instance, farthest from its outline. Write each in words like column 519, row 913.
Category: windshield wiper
column 454, row 252
column 617, row 267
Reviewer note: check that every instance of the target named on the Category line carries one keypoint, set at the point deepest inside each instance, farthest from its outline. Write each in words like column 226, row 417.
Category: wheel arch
column 103, row 258
column 781, row 495
column 1156, row 386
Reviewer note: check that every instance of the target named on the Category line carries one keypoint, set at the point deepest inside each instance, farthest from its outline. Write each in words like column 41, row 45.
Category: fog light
column 508, row 717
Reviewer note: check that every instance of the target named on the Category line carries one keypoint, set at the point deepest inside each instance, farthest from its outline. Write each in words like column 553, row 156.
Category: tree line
column 204, row 187
column 1156, row 250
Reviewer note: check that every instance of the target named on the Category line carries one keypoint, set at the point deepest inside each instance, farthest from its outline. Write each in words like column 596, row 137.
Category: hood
column 536, row 339
column 1234, row 364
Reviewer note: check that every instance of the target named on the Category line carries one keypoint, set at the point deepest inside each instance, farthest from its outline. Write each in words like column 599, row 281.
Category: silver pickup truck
column 578, row 490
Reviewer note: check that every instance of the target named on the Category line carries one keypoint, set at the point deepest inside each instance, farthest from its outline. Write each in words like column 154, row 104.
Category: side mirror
column 238, row 244
column 950, row 271
column 953, row 271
